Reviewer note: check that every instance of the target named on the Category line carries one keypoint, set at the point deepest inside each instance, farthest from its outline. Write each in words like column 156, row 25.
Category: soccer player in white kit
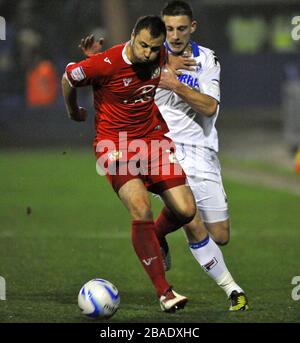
column 189, row 103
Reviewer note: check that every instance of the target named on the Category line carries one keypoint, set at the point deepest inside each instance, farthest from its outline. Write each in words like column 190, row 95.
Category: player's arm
column 80, row 74
column 70, row 98
column 200, row 102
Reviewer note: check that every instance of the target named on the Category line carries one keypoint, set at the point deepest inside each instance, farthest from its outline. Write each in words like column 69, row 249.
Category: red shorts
column 152, row 161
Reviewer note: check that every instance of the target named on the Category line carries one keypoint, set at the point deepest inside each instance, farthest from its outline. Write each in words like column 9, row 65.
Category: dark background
column 255, row 81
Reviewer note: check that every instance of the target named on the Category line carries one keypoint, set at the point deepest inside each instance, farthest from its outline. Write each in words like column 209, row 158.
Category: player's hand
column 168, row 79
column 181, row 62
column 79, row 115
column 90, row 46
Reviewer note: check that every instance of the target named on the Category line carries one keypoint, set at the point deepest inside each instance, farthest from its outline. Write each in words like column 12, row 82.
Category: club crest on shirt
column 127, row 81
column 198, row 67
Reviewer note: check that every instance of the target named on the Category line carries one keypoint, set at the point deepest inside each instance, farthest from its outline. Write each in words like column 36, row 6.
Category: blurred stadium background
column 43, row 153
column 259, row 59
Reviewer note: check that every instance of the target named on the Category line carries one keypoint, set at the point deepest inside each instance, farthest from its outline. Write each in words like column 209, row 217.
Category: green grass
column 78, row 230
column 261, row 166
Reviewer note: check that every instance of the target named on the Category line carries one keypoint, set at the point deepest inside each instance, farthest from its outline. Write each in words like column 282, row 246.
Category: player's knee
column 222, row 239
column 187, row 213
column 222, row 236
column 141, row 212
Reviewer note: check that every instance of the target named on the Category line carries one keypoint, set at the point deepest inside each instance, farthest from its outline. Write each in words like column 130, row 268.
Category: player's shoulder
column 115, row 52
column 109, row 58
column 206, row 55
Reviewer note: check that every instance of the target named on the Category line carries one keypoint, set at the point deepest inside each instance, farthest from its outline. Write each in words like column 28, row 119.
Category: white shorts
column 203, row 171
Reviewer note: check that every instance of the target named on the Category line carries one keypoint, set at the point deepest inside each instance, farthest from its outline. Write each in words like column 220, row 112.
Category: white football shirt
column 185, row 124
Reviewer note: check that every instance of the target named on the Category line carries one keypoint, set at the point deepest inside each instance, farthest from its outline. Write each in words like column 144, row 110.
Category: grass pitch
column 62, row 225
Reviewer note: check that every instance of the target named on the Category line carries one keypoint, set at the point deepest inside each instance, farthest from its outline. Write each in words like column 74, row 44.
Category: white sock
column 210, row 258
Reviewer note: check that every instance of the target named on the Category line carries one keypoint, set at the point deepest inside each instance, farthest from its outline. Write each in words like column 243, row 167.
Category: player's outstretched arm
column 70, row 97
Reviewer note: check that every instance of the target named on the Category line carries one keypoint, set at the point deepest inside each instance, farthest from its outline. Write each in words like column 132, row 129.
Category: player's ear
column 193, row 26
column 132, row 38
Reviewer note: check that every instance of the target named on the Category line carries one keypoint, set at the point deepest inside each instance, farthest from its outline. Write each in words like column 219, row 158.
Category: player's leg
column 203, row 248
column 180, row 206
column 177, row 200
column 219, row 231
column 181, row 209
column 209, row 255
column 135, row 197
column 180, row 201
column 212, row 203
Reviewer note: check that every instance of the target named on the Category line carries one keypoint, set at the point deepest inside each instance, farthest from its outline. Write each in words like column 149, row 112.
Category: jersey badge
column 198, row 67
column 77, row 74
column 127, row 82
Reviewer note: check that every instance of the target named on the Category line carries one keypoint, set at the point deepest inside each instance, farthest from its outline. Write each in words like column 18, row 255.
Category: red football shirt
column 123, row 93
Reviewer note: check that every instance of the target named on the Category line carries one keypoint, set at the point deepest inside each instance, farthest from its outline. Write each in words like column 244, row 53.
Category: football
column 99, row 298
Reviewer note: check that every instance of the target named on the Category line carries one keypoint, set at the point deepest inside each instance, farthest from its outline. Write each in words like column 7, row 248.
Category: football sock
column 210, row 258
column 165, row 223
column 147, row 248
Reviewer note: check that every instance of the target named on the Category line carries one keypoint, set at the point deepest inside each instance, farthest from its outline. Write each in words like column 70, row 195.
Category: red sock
column 166, row 222
column 146, row 246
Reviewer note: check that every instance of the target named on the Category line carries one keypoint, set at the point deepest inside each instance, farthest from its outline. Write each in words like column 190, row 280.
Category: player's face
column 145, row 48
column 179, row 30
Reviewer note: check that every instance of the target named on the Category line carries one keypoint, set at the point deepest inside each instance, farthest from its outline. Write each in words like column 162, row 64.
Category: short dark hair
column 177, row 8
column 153, row 23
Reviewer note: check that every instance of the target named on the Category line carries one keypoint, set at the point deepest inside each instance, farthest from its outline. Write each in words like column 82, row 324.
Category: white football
column 99, row 298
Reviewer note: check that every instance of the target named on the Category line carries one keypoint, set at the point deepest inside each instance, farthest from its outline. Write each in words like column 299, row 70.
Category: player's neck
column 129, row 53
column 187, row 51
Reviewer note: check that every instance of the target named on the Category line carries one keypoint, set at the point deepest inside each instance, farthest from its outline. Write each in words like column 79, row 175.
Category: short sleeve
column 210, row 77
column 87, row 71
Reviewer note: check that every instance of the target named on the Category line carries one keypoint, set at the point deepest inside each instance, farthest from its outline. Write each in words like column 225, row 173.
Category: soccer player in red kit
column 124, row 80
